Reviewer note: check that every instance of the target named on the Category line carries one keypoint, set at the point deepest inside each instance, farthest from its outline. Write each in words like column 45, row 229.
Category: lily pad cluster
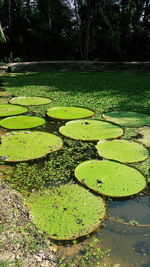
column 71, row 211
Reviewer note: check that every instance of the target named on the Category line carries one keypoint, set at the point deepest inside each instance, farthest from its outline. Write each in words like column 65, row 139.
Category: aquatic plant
column 122, row 150
column 69, row 113
column 90, row 130
column 22, row 122
column 67, row 212
column 5, row 94
column 110, row 178
column 127, row 118
column 145, row 136
column 10, row 110
column 26, row 145
column 30, row 100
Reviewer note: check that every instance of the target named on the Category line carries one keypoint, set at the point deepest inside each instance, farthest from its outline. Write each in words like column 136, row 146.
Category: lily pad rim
column 31, row 105
column 35, row 159
column 123, row 126
column 23, row 129
column 68, row 120
column 123, row 131
column 108, row 196
column 3, row 117
column 125, row 163
column 100, row 224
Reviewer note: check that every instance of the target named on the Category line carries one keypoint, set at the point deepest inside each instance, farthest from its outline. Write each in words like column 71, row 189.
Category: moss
column 67, row 212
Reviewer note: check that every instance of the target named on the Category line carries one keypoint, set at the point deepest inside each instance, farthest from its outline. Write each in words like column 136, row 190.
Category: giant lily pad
column 22, row 122
column 110, row 178
column 122, row 150
column 127, row 119
column 10, row 110
column 23, row 146
column 67, row 212
column 90, row 130
column 30, row 101
column 145, row 136
column 69, row 113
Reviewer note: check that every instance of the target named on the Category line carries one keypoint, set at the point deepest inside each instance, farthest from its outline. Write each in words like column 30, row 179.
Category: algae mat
column 110, row 178
column 90, row 130
column 127, row 118
column 122, row 150
column 22, row 122
column 69, row 113
column 10, row 110
column 67, row 212
column 30, row 101
column 24, row 146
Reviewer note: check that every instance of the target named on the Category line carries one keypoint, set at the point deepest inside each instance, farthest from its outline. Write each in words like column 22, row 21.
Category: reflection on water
column 130, row 245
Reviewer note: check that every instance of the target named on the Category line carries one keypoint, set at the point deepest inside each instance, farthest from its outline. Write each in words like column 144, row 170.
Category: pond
column 126, row 230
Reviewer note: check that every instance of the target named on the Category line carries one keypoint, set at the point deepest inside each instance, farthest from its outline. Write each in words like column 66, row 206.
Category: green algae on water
column 26, row 145
column 110, row 178
column 67, row 212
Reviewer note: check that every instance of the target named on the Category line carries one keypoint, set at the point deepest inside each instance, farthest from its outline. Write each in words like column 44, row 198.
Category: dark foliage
column 75, row 29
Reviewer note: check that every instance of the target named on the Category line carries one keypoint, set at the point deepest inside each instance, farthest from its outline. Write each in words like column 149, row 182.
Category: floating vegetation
column 127, row 118
column 110, row 178
column 22, row 122
column 122, row 150
column 69, row 113
column 4, row 100
column 67, row 212
column 24, row 146
column 30, row 101
column 90, row 130
column 5, row 94
column 145, row 136
column 10, row 110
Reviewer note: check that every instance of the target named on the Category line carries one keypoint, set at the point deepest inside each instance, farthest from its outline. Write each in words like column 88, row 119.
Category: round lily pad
column 110, row 178
column 69, row 113
column 26, row 145
column 122, row 150
column 10, row 110
column 5, row 93
column 128, row 119
column 22, row 122
column 90, row 130
column 67, row 212
column 30, row 101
